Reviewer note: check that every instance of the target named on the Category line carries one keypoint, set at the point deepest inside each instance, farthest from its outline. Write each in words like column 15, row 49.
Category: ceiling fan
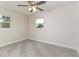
column 33, row 5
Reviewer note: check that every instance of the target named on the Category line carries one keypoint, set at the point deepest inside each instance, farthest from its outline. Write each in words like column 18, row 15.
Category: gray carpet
column 30, row 48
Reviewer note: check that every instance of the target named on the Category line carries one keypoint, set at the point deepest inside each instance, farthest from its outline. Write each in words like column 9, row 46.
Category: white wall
column 60, row 26
column 77, row 26
column 17, row 30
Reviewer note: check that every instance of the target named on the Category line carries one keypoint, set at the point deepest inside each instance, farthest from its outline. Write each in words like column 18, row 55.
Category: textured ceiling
column 24, row 10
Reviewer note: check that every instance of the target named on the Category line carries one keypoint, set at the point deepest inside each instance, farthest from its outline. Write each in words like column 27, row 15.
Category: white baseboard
column 57, row 44
column 12, row 42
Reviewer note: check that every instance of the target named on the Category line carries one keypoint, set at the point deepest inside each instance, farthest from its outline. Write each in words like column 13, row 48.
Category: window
column 4, row 21
column 40, row 23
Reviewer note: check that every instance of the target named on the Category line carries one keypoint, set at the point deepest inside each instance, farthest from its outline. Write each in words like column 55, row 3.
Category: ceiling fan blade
column 39, row 9
column 41, row 2
column 23, row 5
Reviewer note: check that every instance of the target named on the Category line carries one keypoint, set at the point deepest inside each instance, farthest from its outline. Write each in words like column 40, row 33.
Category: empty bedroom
column 39, row 28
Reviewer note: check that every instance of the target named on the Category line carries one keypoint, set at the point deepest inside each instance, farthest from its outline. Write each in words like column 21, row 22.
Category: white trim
column 57, row 44
column 12, row 42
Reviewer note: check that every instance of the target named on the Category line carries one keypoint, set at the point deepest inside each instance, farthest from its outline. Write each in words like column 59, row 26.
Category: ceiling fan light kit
column 33, row 5
column 32, row 9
